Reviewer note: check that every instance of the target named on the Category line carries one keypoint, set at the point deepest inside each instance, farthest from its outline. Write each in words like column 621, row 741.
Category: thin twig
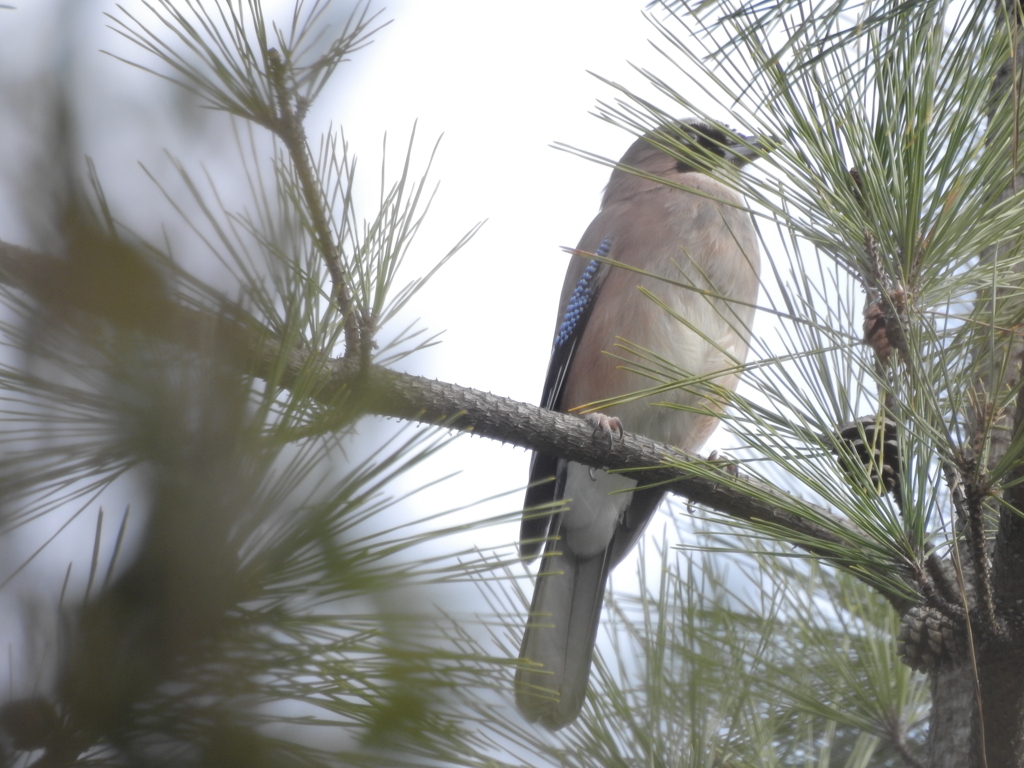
column 290, row 130
column 938, row 579
column 898, row 737
column 927, row 583
column 981, row 561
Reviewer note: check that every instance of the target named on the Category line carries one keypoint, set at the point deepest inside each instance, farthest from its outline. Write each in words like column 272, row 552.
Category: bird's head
column 695, row 145
column 713, row 141
column 677, row 148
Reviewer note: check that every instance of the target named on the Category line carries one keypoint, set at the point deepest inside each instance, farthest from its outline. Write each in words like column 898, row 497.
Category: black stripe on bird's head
column 698, row 144
column 675, row 149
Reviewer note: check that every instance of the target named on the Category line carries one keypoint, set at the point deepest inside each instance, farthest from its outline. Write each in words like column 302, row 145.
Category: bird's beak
column 747, row 149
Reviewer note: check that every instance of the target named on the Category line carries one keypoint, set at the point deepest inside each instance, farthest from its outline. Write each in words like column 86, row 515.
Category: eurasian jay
column 702, row 239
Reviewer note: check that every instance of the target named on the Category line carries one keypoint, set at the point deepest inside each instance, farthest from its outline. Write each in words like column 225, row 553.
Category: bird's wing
column 580, row 290
column 582, row 285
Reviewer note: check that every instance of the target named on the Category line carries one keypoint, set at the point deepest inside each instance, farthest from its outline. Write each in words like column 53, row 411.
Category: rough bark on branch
column 378, row 390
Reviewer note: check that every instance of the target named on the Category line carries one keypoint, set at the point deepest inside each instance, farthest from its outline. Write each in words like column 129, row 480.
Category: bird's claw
column 606, row 425
column 725, row 463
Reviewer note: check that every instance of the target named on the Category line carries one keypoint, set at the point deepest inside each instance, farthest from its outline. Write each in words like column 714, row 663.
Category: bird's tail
column 558, row 643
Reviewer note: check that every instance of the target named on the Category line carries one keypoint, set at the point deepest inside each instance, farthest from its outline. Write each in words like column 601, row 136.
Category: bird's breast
column 700, row 258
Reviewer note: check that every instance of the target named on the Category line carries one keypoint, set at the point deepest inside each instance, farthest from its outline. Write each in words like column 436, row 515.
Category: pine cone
column 928, row 639
column 878, row 453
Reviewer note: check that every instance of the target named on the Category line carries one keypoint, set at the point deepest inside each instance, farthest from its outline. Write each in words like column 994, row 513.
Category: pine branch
column 378, row 390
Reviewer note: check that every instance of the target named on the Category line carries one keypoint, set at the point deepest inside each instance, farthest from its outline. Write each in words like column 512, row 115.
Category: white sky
column 501, row 86
column 501, row 82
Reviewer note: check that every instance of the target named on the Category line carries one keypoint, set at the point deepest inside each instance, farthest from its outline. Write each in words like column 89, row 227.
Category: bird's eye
column 713, row 140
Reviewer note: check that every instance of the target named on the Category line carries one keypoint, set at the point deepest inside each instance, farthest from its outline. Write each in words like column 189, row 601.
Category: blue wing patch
column 542, row 490
column 582, row 296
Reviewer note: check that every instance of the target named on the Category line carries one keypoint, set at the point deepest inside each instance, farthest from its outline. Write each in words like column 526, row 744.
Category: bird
column 663, row 217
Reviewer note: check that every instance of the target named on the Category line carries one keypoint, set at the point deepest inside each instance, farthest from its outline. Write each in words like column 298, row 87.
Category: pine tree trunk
column 963, row 734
